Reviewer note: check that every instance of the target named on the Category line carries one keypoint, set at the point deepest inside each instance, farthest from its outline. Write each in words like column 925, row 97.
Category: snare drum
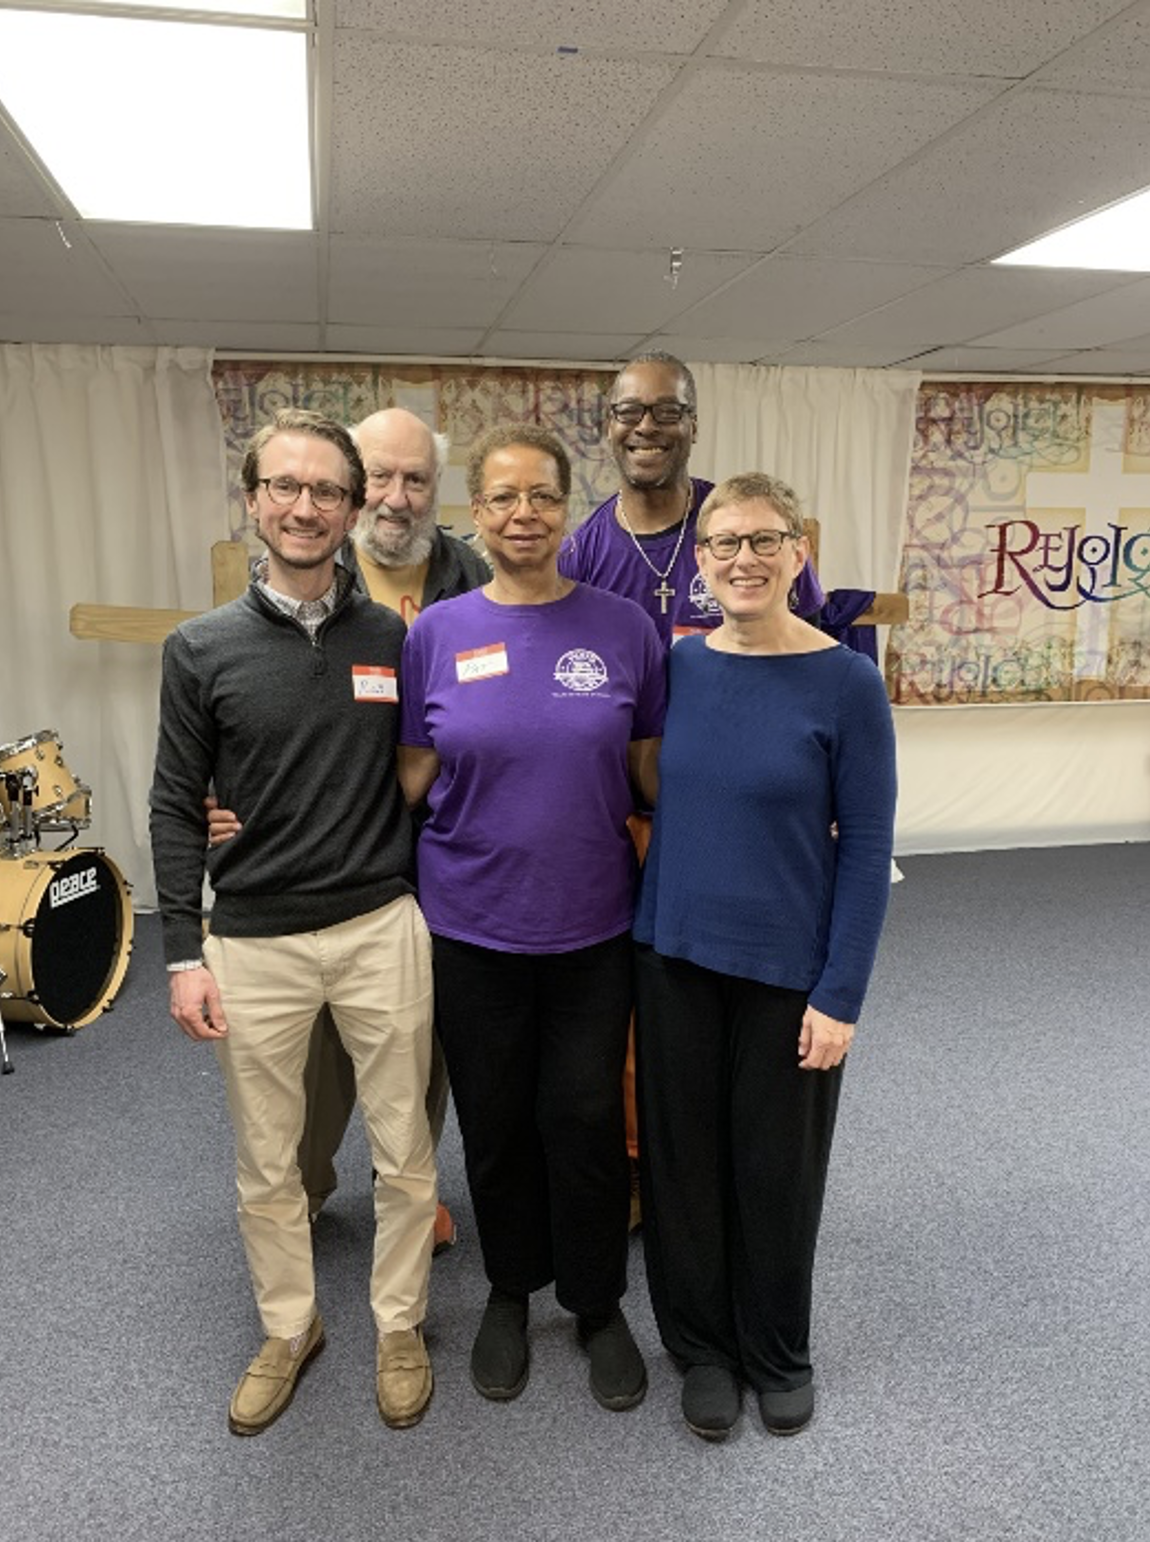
column 58, row 800
column 65, row 935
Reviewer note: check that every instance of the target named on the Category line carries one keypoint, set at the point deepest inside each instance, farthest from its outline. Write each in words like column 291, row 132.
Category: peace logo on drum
column 66, row 920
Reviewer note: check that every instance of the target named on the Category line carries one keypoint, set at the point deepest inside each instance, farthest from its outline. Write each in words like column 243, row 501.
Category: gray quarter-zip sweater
column 306, row 759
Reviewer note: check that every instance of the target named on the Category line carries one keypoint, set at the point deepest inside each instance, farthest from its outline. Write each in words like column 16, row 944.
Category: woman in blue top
column 762, row 902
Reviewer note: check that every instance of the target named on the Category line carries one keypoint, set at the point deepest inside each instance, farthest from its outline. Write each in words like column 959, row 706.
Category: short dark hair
column 753, row 487
column 299, row 420
column 658, row 356
column 505, row 436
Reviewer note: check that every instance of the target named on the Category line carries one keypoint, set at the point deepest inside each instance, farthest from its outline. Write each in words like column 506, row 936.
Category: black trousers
column 535, row 1045
column 734, row 1143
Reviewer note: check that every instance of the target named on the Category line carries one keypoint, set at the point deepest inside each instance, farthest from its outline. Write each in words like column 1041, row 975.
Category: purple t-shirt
column 602, row 553
column 531, row 709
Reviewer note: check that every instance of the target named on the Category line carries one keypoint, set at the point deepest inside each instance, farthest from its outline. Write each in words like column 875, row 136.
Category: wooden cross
column 231, row 562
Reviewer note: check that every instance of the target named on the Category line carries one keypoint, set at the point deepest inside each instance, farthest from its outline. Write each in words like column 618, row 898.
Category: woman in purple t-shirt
column 531, row 711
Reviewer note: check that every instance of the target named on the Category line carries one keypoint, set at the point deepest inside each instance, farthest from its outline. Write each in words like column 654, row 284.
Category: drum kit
column 65, row 918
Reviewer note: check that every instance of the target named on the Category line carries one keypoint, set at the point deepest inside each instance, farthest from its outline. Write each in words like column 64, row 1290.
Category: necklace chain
column 663, row 576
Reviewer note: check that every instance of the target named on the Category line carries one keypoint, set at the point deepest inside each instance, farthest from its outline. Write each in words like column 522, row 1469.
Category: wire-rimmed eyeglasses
column 542, row 500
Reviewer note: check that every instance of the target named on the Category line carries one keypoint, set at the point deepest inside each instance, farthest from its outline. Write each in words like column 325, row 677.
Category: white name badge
column 372, row 682
column 481, row 663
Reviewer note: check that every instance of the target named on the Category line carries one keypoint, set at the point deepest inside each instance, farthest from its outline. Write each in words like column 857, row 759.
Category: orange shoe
column 445, row 1235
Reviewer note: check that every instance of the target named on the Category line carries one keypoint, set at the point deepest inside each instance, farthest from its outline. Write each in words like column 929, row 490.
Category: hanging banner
column 1027, row 553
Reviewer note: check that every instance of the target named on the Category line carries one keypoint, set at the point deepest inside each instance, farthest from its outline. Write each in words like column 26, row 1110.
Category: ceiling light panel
column 153, row 120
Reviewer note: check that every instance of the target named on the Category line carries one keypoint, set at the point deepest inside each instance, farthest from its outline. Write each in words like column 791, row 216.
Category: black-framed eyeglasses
column 325, row 496
column 764, row 543
column 665, row 414
column 541, row 499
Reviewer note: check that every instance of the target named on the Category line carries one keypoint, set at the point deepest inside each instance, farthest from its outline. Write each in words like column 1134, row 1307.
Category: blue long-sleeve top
column 761, row 755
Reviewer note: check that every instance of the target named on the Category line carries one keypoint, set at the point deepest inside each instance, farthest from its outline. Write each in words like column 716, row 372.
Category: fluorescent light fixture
column 164, row 122
column 1116, row 238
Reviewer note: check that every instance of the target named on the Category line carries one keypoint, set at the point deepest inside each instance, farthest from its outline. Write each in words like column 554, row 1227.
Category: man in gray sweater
column 286, row 701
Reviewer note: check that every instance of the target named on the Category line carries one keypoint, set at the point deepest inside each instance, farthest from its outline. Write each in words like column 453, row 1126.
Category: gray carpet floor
column 982, row 1315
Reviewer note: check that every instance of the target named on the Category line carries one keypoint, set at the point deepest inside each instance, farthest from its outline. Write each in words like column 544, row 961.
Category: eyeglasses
column 541, row 500
column 764, row 543
column 631, row 414
column 325, row 496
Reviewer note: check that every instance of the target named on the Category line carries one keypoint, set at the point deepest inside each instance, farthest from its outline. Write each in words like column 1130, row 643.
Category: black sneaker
column 710, row 1400
column 618, row 1375
column 786, row 1413
column 499, row 1356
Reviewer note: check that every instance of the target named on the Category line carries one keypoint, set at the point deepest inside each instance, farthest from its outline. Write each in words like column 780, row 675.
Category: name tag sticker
column 481, row 663
column 372, row 682
column 679, row 632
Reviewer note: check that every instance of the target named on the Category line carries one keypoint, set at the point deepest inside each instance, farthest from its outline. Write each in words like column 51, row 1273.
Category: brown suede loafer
column 403, row 1379
column 268, row 1385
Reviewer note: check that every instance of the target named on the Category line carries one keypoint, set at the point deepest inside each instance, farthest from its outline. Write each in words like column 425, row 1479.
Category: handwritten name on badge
column 372, row 682
column 481, row 663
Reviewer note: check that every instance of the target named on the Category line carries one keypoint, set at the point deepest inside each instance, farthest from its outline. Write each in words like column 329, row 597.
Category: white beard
column 399, row 548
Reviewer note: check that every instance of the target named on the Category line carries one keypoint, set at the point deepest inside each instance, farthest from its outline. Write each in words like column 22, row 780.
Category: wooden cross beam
column 131, row 623
column 231, row 561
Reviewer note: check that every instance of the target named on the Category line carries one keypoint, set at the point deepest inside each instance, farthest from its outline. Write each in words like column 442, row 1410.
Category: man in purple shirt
column 641, row 544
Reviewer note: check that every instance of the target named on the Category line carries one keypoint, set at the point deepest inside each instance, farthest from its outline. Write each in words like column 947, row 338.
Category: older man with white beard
column 406, row 562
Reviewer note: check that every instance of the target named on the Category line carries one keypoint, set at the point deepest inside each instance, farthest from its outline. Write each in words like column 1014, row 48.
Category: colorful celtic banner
column 458, row 399
column 1027, row 552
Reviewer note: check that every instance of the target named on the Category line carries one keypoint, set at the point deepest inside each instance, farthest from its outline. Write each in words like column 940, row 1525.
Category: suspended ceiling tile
column 21, row 190
column 429, row 342
column 963, row 359
column 227, row 275
column 1120, row 59
column 514, row 147
column 437, row 284
column 39, row 273
column 67, row 327
column 718, row 350
column 1094, row 323
column 676, row 28
column 1102, row 361
column 796, row 297
column 618, row 291
column 841, row 355
column 594, row 347
column 979, row 37
column 971, row 303
column 746, row 158
column 1026, row 165
column 285, row 336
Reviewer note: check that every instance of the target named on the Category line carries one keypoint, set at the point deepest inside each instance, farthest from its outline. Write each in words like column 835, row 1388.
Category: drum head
column 76, row 939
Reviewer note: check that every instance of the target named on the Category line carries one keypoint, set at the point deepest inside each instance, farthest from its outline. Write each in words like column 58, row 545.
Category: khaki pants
column 375, row 974
column 329, row 1087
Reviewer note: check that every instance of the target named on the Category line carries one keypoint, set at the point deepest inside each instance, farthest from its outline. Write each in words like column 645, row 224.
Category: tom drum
column 58, row 800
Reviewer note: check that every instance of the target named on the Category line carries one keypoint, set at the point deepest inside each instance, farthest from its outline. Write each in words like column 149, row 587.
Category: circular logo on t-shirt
column 581, row 670
column 702, row 600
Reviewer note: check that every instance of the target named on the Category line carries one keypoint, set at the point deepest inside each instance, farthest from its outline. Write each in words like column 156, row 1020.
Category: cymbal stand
column 6, row 1066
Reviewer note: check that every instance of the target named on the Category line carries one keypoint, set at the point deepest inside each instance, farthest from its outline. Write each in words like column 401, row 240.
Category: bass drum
column 66, row 929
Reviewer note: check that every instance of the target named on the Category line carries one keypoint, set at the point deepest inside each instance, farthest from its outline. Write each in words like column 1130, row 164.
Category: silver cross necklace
column 663, row 591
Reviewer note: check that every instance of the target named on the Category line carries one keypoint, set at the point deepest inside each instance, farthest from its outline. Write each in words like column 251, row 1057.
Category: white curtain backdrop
column 112, row 491
column 841, row 438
